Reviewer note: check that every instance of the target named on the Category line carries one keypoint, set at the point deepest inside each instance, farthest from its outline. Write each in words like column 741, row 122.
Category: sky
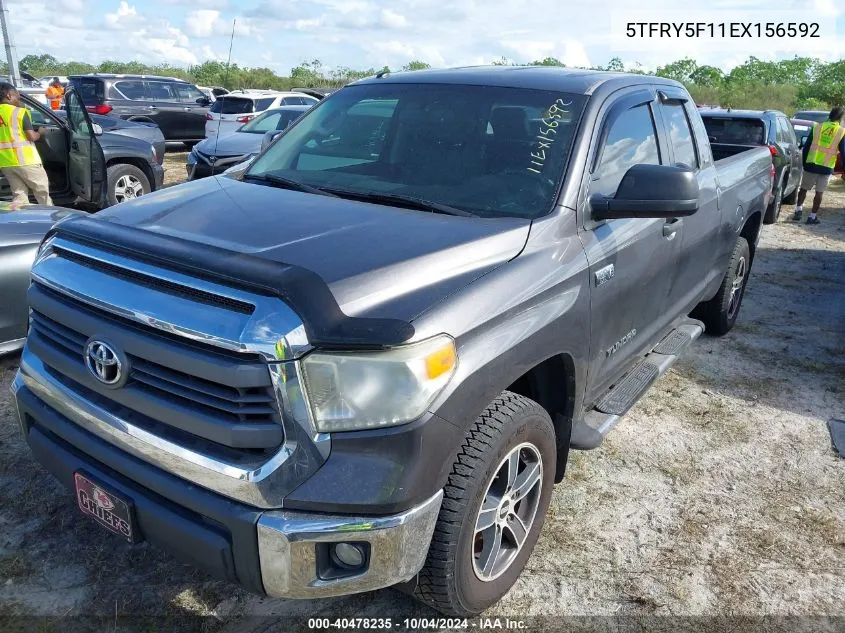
column 280, row 34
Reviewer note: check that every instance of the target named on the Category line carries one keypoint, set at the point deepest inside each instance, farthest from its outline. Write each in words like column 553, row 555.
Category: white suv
column 232, row 110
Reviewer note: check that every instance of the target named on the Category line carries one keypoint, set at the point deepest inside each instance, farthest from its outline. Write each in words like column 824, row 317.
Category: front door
column 86, row 163
column 195, row 107
column 168, row 112
column 631, row 260
column 52, row 146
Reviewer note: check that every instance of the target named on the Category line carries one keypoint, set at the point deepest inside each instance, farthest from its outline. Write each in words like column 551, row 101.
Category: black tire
column 720, row 313
column 126, row 174
column 448, row 581
column 773, row 210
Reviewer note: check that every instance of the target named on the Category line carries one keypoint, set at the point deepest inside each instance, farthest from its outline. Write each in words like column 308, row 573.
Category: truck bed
column 722, row 151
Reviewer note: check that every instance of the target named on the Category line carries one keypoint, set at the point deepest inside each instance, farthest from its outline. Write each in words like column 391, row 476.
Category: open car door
column 86, row 163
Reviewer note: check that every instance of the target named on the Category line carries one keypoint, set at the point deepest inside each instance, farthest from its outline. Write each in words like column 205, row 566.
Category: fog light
column 348, row 555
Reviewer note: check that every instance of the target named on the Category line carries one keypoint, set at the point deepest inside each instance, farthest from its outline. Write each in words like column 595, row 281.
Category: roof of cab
column 739, row 114
column 571, row 80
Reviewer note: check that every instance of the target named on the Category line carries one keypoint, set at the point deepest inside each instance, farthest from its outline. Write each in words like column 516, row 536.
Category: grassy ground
column 718, row 494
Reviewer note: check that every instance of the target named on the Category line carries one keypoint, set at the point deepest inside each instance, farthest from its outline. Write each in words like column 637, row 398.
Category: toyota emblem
column 103, row 362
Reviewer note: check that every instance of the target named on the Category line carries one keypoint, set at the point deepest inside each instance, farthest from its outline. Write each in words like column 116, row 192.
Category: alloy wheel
column 508, row 512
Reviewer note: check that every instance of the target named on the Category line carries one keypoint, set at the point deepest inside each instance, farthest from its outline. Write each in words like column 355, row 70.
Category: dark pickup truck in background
column 732, row 131
column 363, row 363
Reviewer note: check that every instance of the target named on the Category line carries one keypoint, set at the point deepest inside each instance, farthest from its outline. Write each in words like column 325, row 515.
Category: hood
column 29, row 224
column 378, row 261
column 235, row 144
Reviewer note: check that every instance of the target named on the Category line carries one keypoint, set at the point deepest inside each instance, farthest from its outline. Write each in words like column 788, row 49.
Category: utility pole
column 11, row 57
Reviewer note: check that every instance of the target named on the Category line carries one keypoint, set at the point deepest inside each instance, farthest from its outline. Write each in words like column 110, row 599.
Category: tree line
column 787, row 85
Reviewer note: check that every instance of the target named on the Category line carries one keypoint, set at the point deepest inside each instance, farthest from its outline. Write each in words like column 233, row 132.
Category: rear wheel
column 126, row 182
column 493, row 508
column 720, row 313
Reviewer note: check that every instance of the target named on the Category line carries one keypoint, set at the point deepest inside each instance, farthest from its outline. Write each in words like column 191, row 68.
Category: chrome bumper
column 287, row 546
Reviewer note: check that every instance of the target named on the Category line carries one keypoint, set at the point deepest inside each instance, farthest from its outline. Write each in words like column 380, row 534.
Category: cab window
column 680, row 135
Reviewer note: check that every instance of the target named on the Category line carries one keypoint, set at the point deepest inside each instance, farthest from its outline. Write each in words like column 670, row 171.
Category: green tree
column 416, row 65
column 548, row 61
column 707, row 76
column 615, row 65
column 681, row 70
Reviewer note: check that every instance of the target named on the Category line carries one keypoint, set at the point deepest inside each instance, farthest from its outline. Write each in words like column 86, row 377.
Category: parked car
column 365, row 362
column 231, row 111
column 86, row 164
column 215, row 155
column 818, row 116
column 176, row 106
column 770, row 128
column 21, row 231
column 803, row 129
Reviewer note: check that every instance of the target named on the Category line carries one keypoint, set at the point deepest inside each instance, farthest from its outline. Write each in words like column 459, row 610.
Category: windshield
column 272, row 120
column 487, row 150
column 737, row 131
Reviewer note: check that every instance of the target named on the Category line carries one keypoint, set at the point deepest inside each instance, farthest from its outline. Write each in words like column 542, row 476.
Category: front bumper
column 198, row 166
column 278, row 552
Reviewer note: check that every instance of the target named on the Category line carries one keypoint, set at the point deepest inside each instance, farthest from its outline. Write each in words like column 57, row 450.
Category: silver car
column 21, row 232
column 214, row 155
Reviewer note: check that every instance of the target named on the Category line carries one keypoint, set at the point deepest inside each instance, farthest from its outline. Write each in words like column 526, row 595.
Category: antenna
column 225, row 81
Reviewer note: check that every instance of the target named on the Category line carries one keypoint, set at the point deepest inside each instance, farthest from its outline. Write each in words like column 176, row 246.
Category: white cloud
column 123, row 18
column 202, row 23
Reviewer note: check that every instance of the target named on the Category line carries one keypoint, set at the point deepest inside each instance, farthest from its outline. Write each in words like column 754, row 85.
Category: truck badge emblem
column 103, row 362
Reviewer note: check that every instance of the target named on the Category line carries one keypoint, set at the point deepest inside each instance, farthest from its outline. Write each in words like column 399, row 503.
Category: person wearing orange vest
column 20, row 162
column 820, row 150
column 55, row 92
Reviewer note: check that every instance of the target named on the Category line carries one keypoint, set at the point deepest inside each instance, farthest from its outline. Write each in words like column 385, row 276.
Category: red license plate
column 111, row 511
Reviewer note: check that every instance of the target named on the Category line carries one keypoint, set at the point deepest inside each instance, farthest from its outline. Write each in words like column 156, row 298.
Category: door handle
column 671, row 227
column 74, row 146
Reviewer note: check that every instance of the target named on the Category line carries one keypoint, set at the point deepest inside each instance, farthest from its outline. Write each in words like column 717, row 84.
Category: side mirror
column 650, row 191
column 204, row 101
column 269, row 137
column 98, row 129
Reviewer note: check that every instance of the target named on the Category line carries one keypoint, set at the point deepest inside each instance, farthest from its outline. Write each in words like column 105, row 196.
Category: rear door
column 86, row 163
column 169, row 111
column 631, row 261
column 700, row 240
column 194, row 110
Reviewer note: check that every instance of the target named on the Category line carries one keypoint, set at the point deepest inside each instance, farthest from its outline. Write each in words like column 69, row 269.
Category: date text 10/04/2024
column 417, row 624
column 722, row 29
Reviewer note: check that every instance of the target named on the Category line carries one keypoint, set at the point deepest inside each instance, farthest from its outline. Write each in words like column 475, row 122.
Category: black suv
column 176, row 106
column 756, row 127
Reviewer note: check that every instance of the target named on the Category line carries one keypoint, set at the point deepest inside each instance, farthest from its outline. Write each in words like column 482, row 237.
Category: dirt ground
column 718, row 494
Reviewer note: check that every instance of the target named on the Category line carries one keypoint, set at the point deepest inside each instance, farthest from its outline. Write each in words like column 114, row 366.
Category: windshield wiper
column 287, row 183
column 403, row 201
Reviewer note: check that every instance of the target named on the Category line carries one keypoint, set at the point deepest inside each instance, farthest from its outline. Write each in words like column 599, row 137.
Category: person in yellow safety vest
column 19, row 159
column 55, row 92
column 820, row 150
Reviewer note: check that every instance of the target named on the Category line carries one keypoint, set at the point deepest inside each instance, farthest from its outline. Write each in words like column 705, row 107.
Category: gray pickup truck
column 363, row 362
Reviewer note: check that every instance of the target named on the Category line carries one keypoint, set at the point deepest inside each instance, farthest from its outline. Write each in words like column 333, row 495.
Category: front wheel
column 720, row 313
column 494, row 504
column 126, row 182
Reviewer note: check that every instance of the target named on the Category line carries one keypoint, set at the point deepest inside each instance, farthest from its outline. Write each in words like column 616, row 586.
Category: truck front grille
column 186, row 388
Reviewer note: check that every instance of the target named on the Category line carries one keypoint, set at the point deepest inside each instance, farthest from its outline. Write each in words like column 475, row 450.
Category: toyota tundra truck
column 363, row 361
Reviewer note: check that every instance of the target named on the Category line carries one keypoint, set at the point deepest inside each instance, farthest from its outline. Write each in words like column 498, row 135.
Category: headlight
column 363, row 390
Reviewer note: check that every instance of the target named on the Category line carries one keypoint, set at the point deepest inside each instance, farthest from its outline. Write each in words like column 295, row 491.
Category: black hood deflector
column 303, row 290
